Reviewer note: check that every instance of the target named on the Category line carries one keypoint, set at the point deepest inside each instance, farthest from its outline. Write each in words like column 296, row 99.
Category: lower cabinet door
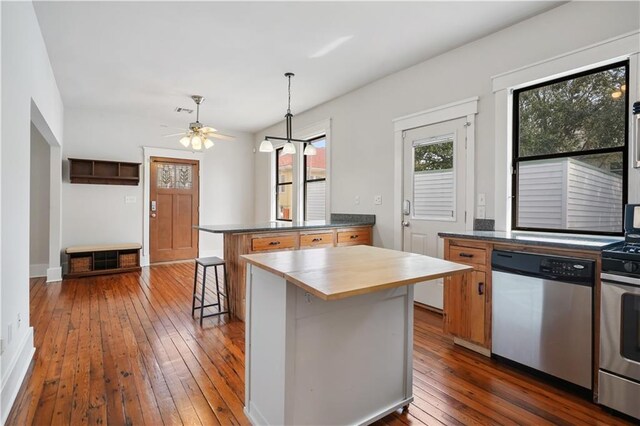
column 464, row 306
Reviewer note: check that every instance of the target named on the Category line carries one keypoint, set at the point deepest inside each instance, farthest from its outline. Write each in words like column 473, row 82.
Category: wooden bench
column 103, row 259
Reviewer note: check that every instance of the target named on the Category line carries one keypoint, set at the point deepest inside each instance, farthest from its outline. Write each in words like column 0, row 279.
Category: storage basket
column 80, row 264
column 128, row 260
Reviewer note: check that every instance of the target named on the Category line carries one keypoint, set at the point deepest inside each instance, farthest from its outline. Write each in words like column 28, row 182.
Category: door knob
column 405, row 223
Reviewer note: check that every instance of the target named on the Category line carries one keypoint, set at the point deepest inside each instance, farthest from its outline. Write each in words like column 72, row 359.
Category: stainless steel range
column 619, row 376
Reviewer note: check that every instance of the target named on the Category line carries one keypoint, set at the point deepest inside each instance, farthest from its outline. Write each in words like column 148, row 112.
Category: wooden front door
column 174, row 195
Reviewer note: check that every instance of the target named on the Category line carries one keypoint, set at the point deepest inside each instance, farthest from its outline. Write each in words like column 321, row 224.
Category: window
column 315, row 179
column 570, row 153
column 284, row 185
column 433, row 178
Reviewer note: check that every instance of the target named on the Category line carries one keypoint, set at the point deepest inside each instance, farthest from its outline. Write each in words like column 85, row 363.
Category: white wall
column 39, row 205
column 362, row 132
column 97, row 214
column 27, row 80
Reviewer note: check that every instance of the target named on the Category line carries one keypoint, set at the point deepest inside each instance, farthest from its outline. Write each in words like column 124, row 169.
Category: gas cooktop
column 621, row 258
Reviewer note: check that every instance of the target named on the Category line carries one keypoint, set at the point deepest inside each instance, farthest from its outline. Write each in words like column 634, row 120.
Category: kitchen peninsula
column 329, row 333
column 341, row 230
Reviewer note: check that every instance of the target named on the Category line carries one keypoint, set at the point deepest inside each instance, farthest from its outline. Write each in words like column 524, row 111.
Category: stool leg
column 218, row 289
column 204, row 283
column 193, row 299
column 226, row 289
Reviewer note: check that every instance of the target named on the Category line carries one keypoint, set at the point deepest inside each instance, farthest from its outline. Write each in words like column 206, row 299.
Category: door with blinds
column 434, row 194
column 174, row 194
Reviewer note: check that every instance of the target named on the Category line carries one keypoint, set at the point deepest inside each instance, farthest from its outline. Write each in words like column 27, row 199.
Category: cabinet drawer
column 469, row 255
column 316, row 240
column 273, row 243
column 353, row 237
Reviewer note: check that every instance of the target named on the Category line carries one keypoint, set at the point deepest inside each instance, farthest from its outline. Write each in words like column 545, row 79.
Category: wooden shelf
column 103, row 172
column 101, row 260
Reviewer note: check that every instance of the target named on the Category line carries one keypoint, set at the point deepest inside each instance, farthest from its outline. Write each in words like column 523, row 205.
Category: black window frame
column 278, row 184
column 516, row 159
column 304, row 175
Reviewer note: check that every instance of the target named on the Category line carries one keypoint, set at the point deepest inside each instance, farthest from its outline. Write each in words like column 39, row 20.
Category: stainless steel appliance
column 542, row 313
column 619, row 375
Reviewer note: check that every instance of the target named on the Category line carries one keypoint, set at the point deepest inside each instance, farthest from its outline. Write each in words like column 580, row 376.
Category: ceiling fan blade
column 208, row 129
column 220, row 136
column 174, row 134
column 171, row 127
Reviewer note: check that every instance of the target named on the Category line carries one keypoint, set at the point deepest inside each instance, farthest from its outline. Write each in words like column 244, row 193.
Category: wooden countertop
column 339, row 272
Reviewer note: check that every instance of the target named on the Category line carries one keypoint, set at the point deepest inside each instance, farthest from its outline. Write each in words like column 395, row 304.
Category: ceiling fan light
column 208, row 143
column 185, row 140
column 266, row 146
column 310, row 150
column 289, row 148
column 196, row 142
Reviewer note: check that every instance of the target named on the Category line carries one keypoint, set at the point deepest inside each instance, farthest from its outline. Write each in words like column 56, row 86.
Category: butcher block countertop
column 339, row 272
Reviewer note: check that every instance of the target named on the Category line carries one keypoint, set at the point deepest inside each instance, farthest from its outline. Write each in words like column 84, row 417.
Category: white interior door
column 434, row 194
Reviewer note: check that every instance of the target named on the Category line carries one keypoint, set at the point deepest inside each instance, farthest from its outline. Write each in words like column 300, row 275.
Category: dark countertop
column 337, row 221
column 568, row 241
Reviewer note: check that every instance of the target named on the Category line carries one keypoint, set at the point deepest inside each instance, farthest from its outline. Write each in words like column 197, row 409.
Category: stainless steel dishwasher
column 543, row 313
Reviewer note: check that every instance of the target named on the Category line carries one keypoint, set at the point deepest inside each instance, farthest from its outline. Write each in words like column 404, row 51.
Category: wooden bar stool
column 207, row 262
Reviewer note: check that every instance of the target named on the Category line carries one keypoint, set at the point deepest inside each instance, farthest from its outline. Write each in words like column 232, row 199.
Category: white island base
column 325, row 362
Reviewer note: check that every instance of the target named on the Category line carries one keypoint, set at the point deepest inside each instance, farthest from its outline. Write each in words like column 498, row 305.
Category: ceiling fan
column 197, row 134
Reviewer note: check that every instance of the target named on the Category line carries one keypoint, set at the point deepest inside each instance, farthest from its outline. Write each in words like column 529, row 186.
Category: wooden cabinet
column 467, row 301
column 310, row 240
column 277, row 242
column 103, row 172
column 354, row 236
column 103, row 259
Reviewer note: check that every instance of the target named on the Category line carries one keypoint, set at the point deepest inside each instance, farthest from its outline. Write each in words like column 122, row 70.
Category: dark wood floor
column 123, row 349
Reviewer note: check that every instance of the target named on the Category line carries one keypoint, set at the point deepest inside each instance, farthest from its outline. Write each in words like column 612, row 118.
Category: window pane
column 579, row 114
column 433, row 180
column 578, row 193
column 285, row 167
column 283, row 202
column 317, row 164
column 315, row 207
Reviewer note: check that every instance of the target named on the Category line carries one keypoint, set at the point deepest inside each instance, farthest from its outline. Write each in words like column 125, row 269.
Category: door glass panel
column 166, row 175
column 631, row 326
column 434, row 178
column 184, row 176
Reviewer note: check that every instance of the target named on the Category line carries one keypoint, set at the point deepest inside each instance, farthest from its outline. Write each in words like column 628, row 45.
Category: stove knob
column 631, row 266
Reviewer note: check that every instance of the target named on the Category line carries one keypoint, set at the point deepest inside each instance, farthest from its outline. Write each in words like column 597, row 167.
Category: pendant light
column 288, row 147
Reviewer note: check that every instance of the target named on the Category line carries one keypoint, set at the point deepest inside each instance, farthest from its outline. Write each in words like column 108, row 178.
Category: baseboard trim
column 38, row 270
column 16, row 373
column 54, row 274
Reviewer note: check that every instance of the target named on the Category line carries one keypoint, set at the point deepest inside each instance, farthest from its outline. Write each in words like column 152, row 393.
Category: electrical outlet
column 377, row 200
column 482, row 200
column 481, row 212
column 356, row 200
column 130, row 199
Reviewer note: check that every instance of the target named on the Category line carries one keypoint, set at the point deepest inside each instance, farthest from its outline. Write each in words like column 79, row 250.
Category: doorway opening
column 39, row 204
column 174, row 193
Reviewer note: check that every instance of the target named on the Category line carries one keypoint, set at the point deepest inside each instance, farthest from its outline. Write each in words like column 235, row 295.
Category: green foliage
column 574, row 115
column 436, row 156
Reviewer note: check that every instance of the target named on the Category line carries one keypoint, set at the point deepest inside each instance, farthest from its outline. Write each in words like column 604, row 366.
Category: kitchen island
column 341, row 230
column 329, row 333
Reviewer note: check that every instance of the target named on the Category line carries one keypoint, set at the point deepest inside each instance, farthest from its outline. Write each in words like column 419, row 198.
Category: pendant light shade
column 266, row 146
column 196, row 142
column 185, row 141
column 208, row 143
column 289, row 148
column 310, row 150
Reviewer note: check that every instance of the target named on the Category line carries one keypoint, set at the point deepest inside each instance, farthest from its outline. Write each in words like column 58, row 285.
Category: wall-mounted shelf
column 103, row 172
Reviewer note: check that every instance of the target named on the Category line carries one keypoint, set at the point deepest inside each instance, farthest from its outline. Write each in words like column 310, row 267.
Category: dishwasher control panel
column 565, row 267
column 543, row 266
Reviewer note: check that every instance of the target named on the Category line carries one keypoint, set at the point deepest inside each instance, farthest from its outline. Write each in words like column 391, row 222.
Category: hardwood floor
column 123, row 349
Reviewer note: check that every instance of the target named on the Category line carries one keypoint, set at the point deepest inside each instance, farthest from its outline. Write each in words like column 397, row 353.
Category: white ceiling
column 146, row 58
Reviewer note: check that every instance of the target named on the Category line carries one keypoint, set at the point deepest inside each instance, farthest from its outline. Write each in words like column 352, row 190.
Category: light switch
column 482, row 200
column 377, row 200
column 356, row 200
column 130, row 199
